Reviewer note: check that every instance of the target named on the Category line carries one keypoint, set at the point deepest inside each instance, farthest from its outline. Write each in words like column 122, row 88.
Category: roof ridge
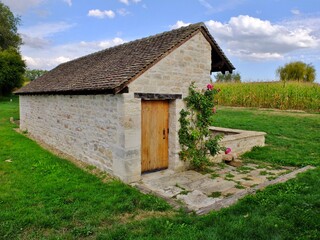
column 110, row 70
column 200, row 24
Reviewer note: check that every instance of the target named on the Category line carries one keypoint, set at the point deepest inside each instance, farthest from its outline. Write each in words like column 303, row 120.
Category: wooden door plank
column 154, row 149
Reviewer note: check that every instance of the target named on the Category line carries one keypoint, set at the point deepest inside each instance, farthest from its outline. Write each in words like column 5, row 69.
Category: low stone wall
column 240, row 141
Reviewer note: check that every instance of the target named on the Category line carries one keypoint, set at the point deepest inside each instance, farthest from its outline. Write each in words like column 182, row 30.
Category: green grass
column 292, row 95
column 215, row 194
column 292, row 138
column 45, row 197
column 41, row 194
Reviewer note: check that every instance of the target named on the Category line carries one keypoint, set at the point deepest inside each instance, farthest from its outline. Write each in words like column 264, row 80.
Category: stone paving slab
column 202, row 192
column 233, row 199
column 170, row 184
column 222, row 186
column 197, row 199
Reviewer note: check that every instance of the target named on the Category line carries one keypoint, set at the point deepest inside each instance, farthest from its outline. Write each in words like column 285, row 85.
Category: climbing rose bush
column 194, row 135
column 209, row 86
column 227, row 151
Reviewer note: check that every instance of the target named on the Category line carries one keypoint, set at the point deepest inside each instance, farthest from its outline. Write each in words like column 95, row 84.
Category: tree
column 31, row 75
column 297, row 71
column 9, row 36
column 12, row 68
column 228, row 77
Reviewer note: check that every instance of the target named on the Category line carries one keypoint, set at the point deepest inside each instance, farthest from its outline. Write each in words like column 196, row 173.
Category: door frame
column 173, row 158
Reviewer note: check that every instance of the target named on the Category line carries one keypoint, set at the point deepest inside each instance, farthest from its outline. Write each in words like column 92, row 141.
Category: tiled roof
column 111, row 70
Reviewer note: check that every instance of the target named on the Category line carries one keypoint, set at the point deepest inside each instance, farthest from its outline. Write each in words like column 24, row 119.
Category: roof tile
column 112, row 69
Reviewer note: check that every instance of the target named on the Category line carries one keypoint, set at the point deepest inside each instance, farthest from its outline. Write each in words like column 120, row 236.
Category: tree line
column 293, row 71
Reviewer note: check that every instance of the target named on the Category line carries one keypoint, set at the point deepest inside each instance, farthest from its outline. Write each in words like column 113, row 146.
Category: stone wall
column 172, row 75
column 87, row 127
column 105, row 130
column 240, row 141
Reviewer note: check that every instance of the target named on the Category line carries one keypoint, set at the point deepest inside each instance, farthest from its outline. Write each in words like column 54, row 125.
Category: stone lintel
column 157, row 96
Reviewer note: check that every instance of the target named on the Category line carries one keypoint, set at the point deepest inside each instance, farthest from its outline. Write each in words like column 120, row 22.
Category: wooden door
column 154, row 135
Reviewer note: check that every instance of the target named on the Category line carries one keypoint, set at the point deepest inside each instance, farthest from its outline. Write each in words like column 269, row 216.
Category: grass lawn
column 293, row 138
column 45, row 197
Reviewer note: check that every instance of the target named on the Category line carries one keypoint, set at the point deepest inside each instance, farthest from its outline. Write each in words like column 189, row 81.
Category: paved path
column 221, row 188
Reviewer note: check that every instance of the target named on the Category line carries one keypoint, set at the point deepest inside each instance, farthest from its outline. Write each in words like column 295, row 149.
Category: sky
column 257, row 36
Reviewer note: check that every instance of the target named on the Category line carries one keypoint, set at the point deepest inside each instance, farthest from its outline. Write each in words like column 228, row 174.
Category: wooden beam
column 157, row 96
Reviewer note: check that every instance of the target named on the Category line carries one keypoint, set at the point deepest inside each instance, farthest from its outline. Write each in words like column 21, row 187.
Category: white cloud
column 205, row 4
column 110, row 43
column 220, row 6
column 179, row 24
column 98, row 45
column 257, row 55
column 295, row 11
column 69, row 2
column 101, row 14
column 253, row 38
column 34, row 42
column 61, row 59
column 46, row 29
column 125, row 1
column 309, row 22
column 123, row 12
column 51, row 56
column 40, row 63
column 37, row 36
column 19, row 6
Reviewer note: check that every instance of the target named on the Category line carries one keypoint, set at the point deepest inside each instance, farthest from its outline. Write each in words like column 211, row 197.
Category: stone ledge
column 240, row 141
column 236, row 133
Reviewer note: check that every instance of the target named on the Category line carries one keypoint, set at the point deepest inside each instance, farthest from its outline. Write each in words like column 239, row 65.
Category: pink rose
column 209, row 86
column 228, row 150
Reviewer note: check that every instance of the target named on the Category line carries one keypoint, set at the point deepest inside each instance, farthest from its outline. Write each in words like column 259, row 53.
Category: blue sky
column 256, row 35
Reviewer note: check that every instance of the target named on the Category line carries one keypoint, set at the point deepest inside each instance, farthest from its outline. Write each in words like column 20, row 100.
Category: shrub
column 194, row 135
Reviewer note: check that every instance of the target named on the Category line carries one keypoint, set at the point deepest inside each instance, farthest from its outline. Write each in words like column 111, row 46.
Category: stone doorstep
column 181, row 179
column 199, row 187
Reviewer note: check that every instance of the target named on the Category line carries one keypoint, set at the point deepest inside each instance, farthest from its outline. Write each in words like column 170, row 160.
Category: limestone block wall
column 172, row 75
column 105, row 130
column 88, row 128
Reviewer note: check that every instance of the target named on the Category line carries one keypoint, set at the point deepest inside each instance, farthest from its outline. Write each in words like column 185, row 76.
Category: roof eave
column 75, row 92
column 223, row 64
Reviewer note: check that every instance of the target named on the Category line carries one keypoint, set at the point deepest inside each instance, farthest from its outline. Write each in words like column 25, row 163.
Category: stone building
column 118, row 109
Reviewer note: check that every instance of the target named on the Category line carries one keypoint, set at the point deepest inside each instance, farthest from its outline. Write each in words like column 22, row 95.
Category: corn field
column 292, row 95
